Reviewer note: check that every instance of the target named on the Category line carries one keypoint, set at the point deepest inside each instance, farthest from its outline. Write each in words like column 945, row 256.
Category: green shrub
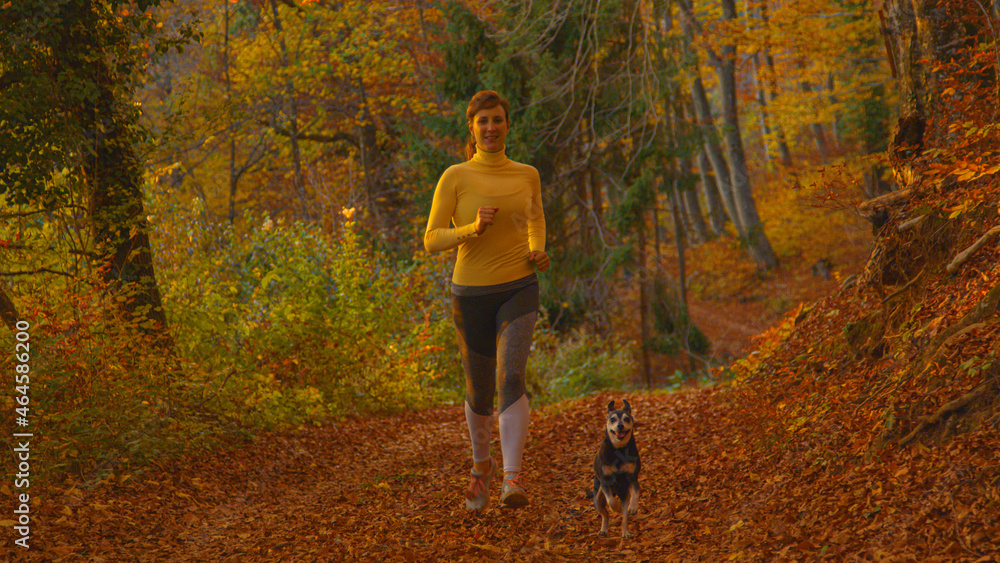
column 306, row 324
column 576, row 366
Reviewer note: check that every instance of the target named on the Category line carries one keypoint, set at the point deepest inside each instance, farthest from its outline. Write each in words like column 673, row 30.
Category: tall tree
column 723, row 59
column 69, row 69
column 923, row 33
column 764, row 76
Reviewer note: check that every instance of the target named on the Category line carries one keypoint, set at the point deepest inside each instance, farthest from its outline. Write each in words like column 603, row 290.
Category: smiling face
column 489, row 127
column 619, row 427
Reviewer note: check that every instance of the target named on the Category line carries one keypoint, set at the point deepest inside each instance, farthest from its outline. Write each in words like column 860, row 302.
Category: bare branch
column 37, row 271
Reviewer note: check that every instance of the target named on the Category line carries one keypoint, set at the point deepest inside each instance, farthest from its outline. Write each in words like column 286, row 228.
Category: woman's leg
column 477, row 343
column 512, row 356
column 515, row 326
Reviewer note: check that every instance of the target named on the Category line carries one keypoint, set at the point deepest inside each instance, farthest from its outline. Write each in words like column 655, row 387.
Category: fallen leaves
column 390, row 490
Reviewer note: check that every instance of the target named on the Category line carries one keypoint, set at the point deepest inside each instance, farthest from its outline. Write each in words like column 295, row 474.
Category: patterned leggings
column 495, row 326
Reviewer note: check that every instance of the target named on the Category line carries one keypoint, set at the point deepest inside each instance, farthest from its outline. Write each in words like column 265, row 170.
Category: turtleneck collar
column 486, row 158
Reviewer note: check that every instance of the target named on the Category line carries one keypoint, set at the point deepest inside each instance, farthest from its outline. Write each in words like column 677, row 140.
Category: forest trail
column 390, row 489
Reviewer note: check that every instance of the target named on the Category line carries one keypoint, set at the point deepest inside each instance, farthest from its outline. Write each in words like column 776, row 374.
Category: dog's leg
column 601, row 503
column 626, row 510
column 631, row 506
column 633, row 498
column 625, row 532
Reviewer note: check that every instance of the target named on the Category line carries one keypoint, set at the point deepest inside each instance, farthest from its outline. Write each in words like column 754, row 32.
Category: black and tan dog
column 616, row 469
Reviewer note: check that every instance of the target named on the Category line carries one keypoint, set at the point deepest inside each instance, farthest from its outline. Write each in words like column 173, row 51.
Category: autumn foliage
column 305, row 404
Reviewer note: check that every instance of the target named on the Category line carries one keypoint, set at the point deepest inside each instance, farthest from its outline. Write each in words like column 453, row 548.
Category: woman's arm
column 439, row 235
column 536, row 216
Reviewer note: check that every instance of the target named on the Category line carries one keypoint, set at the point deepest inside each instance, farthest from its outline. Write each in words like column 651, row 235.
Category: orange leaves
column 301, row 495
column 966, row 172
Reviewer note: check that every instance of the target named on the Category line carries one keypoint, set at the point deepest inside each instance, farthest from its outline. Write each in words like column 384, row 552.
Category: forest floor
column 390, row 489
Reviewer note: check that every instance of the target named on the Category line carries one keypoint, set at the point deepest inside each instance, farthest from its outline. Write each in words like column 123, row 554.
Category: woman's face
column 489, row 127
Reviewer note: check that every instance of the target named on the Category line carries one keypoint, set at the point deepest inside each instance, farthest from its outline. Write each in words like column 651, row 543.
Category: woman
column 495, row 205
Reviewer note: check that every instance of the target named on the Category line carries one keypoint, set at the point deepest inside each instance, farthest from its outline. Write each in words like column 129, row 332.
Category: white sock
column 513, row 434
column 480, row 432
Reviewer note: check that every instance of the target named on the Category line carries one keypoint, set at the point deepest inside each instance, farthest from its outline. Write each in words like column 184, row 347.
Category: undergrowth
column 271, row 325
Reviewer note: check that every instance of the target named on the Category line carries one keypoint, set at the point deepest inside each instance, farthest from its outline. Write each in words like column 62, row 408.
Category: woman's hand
column 485, row 218
column 540, row 259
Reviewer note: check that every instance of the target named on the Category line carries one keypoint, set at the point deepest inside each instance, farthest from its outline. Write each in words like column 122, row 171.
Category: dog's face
column 619, row 424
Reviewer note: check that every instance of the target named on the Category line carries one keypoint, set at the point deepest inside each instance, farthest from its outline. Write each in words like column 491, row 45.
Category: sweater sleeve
column 536, row 220
column 439, row 236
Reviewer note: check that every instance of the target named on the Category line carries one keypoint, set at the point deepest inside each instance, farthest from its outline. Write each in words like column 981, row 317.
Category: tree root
column 911, row 224
column 908, row 285
column 949, row 408
column 870, row 208
column 987, row 307
column 964, row 256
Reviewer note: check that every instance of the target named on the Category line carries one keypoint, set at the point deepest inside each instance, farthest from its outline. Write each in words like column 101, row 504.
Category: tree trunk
column 690, row 198
column 8, row 312
column 114, row 176
column 597, row 200
column 118, row 224
column 291, row 107
column 710, row 191
column 645, row 322
column 835, row 102
column 713, row 151
column 816, row 128
column 583, row 213
column 679, row 238
column 233, row 177
column 758, row 245
column 370, row 156
column 706, row 126
column 786, row 154
column 765, row 128
column 922, row 33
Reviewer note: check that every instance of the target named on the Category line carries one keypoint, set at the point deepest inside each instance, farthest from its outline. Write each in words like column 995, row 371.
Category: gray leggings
column 495, row 325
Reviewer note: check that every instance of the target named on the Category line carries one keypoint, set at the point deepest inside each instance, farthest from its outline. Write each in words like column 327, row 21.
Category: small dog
column 616, row 469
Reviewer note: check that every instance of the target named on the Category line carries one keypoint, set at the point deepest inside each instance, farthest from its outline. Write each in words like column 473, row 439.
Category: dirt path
column 390, row 490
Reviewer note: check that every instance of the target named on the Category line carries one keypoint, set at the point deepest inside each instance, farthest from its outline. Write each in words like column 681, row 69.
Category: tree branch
column 37, row 271
column 335, row 138
column 964, row 256
column 17, row 214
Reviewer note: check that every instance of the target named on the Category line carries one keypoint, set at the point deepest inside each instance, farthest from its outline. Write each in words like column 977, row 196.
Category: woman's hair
column 484, row 99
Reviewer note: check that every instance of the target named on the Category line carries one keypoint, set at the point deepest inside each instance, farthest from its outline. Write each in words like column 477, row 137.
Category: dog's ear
column 611, row 406
column 628, row 408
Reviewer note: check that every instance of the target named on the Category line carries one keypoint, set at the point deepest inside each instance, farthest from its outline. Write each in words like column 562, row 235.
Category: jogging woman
column 490, row 208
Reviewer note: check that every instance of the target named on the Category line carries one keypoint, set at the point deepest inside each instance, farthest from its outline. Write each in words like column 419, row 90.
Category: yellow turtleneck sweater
column 500, row 254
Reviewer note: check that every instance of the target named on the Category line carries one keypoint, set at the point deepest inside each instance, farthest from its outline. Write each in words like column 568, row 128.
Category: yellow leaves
column 966, row 172
column 958, row 209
